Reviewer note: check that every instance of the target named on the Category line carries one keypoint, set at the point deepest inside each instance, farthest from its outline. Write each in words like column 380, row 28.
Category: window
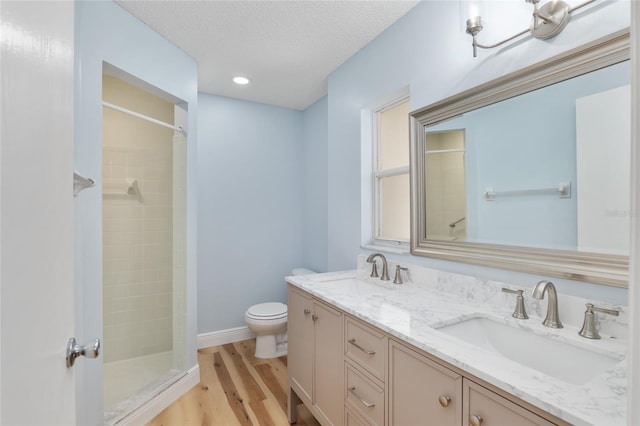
column 391, row 172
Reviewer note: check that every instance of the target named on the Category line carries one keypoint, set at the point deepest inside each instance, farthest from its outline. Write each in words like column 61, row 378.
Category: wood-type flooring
column 236, row 388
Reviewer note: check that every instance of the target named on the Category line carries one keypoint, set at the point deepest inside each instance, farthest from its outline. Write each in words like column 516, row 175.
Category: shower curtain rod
column 144, row 117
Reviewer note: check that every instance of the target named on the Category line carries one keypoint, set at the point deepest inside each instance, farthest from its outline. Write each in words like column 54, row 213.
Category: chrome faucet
column 374, row 268
column 553, row 319
column 589, row 329
column 520, row 311
column 398, row 277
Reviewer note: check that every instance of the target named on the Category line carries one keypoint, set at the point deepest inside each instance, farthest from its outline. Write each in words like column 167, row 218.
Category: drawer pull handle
column 444, row 400
column 352, row 390
column 306, row 312
column 476, row 420
column 366, row 351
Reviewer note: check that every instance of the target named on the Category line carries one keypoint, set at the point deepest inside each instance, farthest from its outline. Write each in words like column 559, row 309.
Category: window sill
column 398, row 249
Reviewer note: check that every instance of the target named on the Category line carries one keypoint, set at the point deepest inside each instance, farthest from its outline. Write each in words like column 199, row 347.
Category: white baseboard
column 222, row 337
column 155, row 405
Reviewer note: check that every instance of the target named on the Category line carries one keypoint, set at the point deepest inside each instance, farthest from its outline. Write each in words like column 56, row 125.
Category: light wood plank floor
column 235, row 388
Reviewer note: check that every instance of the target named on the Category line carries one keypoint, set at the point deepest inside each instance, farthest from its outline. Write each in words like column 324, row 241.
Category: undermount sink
column 561, row 360
column 353, row 286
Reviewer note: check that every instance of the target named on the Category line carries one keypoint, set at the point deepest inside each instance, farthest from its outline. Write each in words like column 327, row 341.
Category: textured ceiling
column 286, row 48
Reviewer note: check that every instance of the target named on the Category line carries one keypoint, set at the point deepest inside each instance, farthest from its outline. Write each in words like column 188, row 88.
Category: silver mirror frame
column 583, row 266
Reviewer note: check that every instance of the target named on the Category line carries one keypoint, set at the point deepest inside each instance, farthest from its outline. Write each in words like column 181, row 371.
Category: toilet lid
column 267, row 310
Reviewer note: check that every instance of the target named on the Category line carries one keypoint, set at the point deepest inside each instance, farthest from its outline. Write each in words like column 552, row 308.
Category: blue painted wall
column 250, row 190
column 532, row 147
column 428, row 51
column 315, row 196
column 248, row 241
column 106, row 32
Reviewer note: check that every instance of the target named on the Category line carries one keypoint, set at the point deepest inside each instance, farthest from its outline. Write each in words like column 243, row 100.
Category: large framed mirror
column 531, row 172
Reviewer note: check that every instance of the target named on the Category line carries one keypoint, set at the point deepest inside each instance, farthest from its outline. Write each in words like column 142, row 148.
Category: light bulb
column 241, row 80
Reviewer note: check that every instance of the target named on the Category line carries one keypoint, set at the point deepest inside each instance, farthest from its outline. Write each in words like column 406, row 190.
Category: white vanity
column 368, row 352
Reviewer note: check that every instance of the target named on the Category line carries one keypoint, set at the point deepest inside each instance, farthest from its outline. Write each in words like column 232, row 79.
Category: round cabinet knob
column 314, row 317
column 306, row 312
column 475, row 420
column 444, row 400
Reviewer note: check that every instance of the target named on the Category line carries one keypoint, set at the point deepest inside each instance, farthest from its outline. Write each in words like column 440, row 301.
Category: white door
column 37, row 297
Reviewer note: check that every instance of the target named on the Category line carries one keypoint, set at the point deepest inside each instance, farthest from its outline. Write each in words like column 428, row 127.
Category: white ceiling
column 287, row 48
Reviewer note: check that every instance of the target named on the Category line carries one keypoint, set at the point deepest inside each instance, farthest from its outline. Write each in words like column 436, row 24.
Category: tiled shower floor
column 124, row 379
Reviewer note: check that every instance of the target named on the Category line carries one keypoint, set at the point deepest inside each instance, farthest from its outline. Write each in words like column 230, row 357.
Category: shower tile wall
column 137, row 228
column 137, row 241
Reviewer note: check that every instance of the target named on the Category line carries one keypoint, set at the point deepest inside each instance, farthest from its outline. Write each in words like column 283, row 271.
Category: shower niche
column 143, row 242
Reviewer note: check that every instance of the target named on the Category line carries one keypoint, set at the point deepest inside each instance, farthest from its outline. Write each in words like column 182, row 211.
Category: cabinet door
column 328, row 365
column 486, row 408
column 422, row 392
column 300, row 344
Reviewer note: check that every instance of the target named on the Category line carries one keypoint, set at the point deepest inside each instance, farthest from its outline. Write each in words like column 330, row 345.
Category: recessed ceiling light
column 241, row 80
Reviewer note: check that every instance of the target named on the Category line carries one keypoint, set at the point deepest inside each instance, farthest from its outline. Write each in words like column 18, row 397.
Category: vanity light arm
column 474, row 25
column 546, row 19
column 536, row 13
column 500, row 43
column 574, row 8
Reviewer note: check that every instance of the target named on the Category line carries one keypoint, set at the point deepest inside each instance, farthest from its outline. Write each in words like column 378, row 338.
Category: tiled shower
column 143, row 245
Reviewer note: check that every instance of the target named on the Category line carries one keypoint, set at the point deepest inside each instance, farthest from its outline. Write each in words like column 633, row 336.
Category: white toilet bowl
column 269, row 323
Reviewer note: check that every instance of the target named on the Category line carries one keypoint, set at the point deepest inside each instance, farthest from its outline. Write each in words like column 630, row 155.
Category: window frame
column 379, row 174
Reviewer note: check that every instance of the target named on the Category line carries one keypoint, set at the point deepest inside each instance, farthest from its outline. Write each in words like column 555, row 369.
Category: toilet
column 268, row 321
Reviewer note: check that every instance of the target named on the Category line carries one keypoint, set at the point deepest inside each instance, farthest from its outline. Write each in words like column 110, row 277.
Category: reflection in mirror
column 519, row 152
column 531, row 171
column 445, row 185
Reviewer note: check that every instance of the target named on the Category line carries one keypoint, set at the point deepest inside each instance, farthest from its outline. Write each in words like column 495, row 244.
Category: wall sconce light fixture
column 548, row 21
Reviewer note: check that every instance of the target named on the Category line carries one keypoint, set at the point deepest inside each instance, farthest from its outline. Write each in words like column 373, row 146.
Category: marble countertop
column 413, row 312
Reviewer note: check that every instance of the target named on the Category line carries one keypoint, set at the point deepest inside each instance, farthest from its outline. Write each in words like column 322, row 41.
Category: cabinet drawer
column 364, row 396
column 490, row 409
column 366, row 347
column 352, row 418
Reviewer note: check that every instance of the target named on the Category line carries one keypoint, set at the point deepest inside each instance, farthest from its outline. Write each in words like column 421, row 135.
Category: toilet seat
column 267, row 311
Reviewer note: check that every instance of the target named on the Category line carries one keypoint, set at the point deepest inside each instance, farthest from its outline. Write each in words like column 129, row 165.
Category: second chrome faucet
column 519, row 311
column 374, row 268
column 553, row 318
column 385, row 269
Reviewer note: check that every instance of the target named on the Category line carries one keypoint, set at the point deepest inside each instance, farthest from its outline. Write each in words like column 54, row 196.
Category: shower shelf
column 132, row 191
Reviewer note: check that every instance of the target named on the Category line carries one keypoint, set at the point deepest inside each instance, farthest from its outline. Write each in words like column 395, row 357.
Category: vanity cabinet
column 365, row 346
column 365, row 354
column 485, row 408
column 364, row 395
column 352, row 418
column 421, row 391
column 300, row 343
column 315, row 358
column 346, row 371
